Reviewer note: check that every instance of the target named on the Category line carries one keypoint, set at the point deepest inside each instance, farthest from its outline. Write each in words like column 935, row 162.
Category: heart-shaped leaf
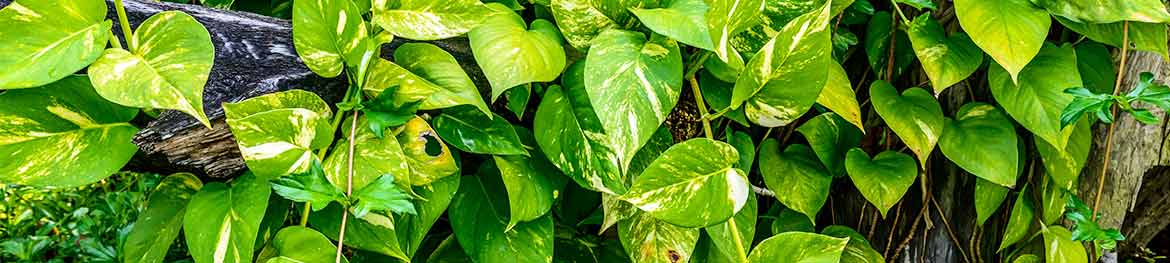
column 1143, row 36
column 1064, row 166
column 470, row 131
column 222, row 220
column 858, row 250
column 946, row 60
column 512, row 55
column 726, row 19
column 884, row 179
column 988, row 197
column 482, row 233
column 777, row 14
column 915, row 116
column 786, row 76
column 302, row 244
column 683, row 20
column 580, row 21
column 572, row 137
column 437, row 67
column 406, row 87
column 982, row 140
column 799, row 247
column 47, row 40
column 1060, row 248
column 278, row 132
column 427, row 155
column 650, row 240
column 798, row 174
column 839, row 97
column 731, row 240
column 633, row 83
column 165, row 69
column 429, row 20
column 830, row 136
column 533, row 183
column 62, row 135
column 1010, row 31
column 1020, row 222
column 159, row 225
column 1038, row 98
column 330, row 35
column 1107, row 11
column 372, row 158
column 692, row 184
column 788, row 220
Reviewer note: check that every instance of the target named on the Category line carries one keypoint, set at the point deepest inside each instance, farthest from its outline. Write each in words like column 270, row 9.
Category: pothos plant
column 578, row 143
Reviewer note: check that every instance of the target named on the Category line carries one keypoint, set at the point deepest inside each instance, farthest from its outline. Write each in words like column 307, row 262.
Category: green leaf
column 799, row 247
column 735, row 236
column 614, row 208
column 786, row 76
column 982, row 140
column 744, row 146
column 1107, row 11
column 429, row 20
column 1095, row 64
column 383, row 112
column 382, row 195
column 405, row 86
column 372, row 158
column 683, row 20
column 302, row 244
column 1053, row 201
column 1010, row 31
column 726, row 19
column 915, row 116
column 330, row 35
column 165, row 69
column 717, row 93
column 830, row 137
column 439, row 68
column 1143, row 36
column 277, row 132
column 221, row 221
column 798, row 174
column 919, row 4
column 580, row 21
column 472, row 132
column 45, row 41
column 649, row 240
column 1029, row 258
column 1020, row 221
column 1038, row 98
column 571, row 136
column 945, row 59
column 62, row 135
column 788, row 220
column 309, row 186
column 1064, row 166
column 1084, row 102
column 775, row 16
column 532, row 182
column 482, row 233
column 877, row 46
column 1085, row 228
column 511, row 54
column 884, row 179
column 518, row 100
column 839, row 97
column 427, row 156
column 449, row 251
column 988, row 197
column 158, row 226
column 858, row 250
column 633, row 84
column 1060, row 248
column 692, row 184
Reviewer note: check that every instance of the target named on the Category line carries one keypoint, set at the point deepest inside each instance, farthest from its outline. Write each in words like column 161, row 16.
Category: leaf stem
column 114, row 40
column 127, row 33
column 693, row 68
column 305, row 214
column 740, row 254
column 894, row 3
column 348, row 186
column 1113, row 111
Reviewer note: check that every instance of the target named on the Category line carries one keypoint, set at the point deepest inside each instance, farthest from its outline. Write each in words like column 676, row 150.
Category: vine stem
column 691, row 70
column 740, row 253
column 127, row 33
column 903, row 16
column 1113, row 111
column 348, row 186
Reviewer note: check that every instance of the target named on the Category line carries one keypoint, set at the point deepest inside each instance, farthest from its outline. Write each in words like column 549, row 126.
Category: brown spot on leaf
column 673, row 256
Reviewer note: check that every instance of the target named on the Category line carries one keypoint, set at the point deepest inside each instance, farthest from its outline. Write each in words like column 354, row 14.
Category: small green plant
column 1101, row 105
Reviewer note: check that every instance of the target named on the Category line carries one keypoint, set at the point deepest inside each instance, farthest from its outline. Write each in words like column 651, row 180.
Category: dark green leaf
column 381, row 195
column 474, row 132
column 384, row 111
column 158, row 226
column 798, row 174
column 310, row 186
column 982, row 140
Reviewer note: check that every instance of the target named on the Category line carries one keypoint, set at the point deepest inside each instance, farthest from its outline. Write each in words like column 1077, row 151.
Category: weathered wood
column 254, row 56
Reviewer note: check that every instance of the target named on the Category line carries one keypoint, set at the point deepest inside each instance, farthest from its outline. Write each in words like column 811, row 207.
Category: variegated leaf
column 435, row 72
column 649, row 240
column 633, row 83
column 1107, row 11
column 945, row 59
column 533, row 183
column 511, row 54
column 571, row 136
column 692, row 184
column 384, row 74
column 579, row 21
column 277, row 132
column 428, row 19
column 784, row 79
column 683, row 20
column 166, row 67
column 725, row 19
column 427, row 155
column 330, row 35
column 799, row 247
column 222, row 220
column 62, row 135
column 372, row 158
column 731, row 240
column 47, row 40
column 774, row 16
column 302, row 244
